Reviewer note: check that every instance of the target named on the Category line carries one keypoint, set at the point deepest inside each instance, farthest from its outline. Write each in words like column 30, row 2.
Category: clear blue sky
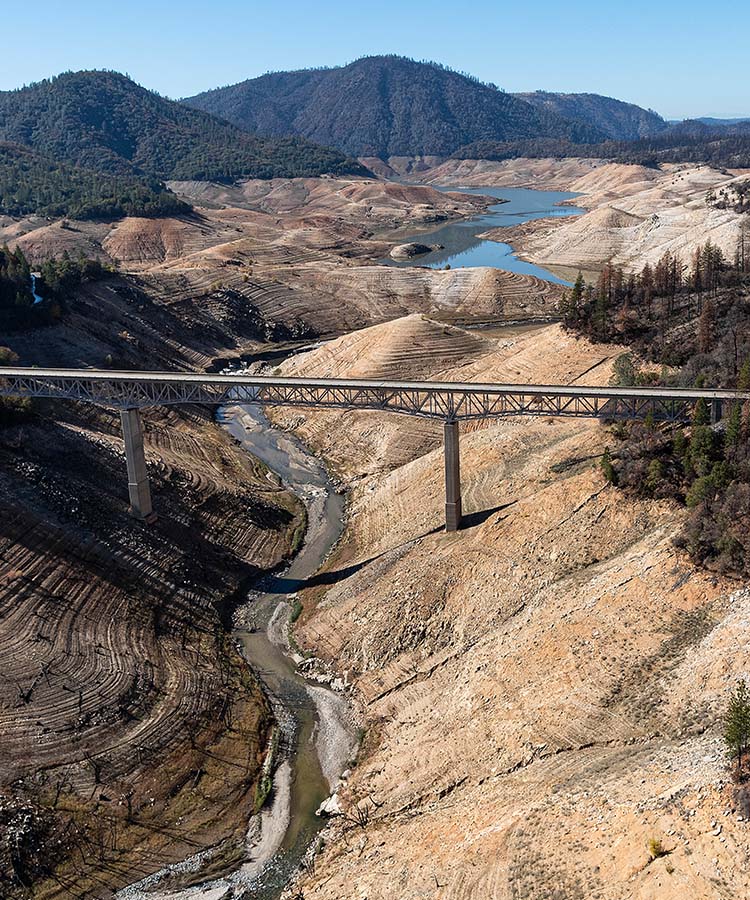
column 680, row 58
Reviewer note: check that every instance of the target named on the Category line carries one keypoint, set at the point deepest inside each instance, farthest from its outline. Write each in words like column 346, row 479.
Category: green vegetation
column 694, row 321
column 297, row 610
column 265, row 779
column 386, row 106
column 607, row 468
column 102, row 146
column 689, row 142
column 30, row 183
column 11, row 408
column 56, row 282
column 613, row 118
column 737, row 723
column 656, row 848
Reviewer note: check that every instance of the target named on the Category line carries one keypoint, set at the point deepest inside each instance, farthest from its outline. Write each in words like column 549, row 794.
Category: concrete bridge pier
column 716, row 411
column 139, row 490
column 452, row 477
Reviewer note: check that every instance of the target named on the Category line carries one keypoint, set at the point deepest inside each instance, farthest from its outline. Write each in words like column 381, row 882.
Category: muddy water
column 289, row 825
column 317, row 738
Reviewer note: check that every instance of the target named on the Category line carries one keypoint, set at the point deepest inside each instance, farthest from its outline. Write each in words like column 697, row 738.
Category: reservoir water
column 463, row 246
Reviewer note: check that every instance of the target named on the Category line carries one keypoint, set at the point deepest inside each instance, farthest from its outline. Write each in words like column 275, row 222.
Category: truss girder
column 462, row 402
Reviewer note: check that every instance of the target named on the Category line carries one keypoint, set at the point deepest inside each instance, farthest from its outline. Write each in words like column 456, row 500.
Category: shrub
column 656, row 849
column 607, row 467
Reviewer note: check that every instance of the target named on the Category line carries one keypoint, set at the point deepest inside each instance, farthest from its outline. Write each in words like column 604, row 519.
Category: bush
column 656, row 849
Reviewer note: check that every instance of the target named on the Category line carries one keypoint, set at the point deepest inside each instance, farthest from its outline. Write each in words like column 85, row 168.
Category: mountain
column 104, row 122
column 385, row 106
column 615, row 119
column 711, row 121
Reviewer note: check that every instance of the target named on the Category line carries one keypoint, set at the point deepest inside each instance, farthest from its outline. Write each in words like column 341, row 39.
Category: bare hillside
column 541, row 689
column 635, row 213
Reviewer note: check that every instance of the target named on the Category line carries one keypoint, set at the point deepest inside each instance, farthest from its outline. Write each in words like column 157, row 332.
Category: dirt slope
column 125, row 715
column 541, row 690
column 130, row 733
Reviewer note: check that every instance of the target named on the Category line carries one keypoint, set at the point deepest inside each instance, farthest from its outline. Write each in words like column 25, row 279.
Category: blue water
column 37, row 298
column 464, row 248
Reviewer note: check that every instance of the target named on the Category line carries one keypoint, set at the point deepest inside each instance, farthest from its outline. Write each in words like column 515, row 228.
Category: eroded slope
column 541, row 690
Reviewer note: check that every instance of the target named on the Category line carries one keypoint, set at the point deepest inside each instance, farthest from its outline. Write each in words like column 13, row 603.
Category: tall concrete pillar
column 138, row 486
column 452, row 477
column 716, row 411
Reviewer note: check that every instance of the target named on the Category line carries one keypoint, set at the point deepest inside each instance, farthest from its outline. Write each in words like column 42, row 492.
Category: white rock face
column 330, row 807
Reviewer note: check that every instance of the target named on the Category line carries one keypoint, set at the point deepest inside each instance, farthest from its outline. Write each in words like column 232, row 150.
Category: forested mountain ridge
column 616, row 119
column 385, row 106
column 105, row 122
column 32, row 183
column 689, row 142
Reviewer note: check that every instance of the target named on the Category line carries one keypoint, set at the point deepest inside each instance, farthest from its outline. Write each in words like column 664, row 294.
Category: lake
column 464, row 248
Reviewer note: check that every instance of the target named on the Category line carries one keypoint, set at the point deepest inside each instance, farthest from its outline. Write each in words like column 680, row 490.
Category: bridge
column 451, row 402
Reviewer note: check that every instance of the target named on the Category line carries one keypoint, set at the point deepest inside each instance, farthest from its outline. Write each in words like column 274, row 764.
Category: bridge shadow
column 281, row 584
column 471, row 520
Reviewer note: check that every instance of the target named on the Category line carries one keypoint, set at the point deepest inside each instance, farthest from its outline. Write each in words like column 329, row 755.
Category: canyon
column 539, row 694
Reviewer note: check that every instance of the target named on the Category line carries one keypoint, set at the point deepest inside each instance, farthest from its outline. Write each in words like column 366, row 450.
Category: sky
column 678, row 58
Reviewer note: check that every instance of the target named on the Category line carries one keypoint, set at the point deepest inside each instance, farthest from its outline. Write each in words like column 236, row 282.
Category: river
column 463, row 246
column 318, row 739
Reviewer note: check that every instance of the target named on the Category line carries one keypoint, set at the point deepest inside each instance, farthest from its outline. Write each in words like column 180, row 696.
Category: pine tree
column 733, row 432
column 701, row 415
column 743, row 379
column 572, row 303
column 609, row 470
column 737, row 722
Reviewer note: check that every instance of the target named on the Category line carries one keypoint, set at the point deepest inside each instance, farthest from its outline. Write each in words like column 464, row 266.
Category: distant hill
column 709, row 120
column 725, row 146
column 386, row 106
column 104, row 122
column 615, row 119
column 32, row 183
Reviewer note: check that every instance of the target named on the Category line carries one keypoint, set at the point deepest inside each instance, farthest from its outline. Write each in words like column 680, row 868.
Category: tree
column 609, row 470
column 625, row 371
column 701, row 415
column 654, row 477
column 737, row 722
column 733, row 433
column 571, row 304
column 743, row 379
column 706, row 328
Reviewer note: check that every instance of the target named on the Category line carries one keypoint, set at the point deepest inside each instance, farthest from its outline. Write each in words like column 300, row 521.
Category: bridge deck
column 103, row 376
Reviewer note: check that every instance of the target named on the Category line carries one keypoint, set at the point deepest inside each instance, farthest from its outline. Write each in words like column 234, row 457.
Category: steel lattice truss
column 444, row 400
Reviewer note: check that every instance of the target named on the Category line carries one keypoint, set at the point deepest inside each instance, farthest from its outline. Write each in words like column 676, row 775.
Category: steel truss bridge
column 451, row 402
